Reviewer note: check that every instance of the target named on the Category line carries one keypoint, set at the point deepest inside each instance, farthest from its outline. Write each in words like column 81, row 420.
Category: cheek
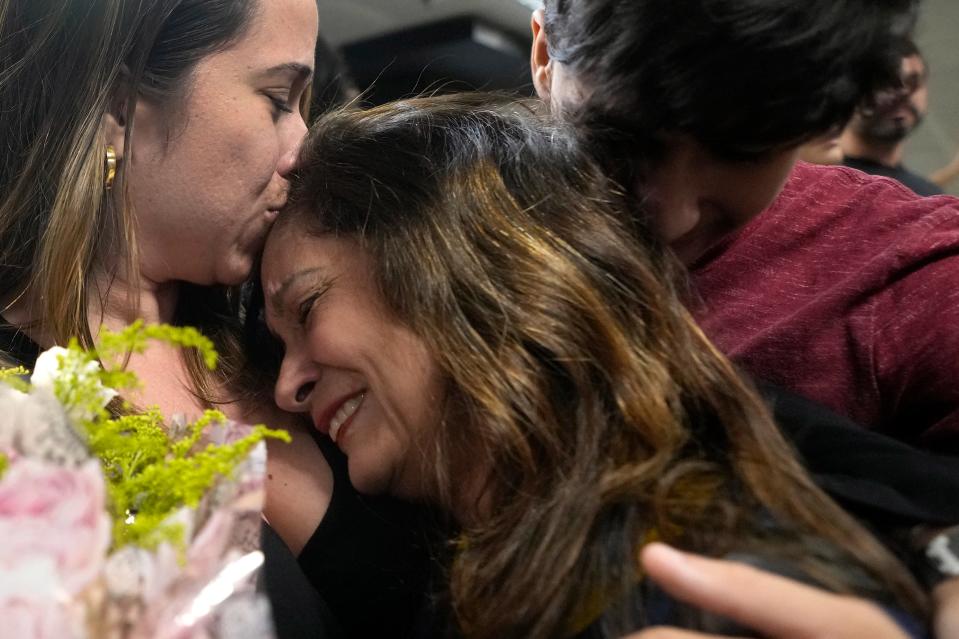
column 423, row 396
column 230, row 143
column 247, row 152
column 753, row 191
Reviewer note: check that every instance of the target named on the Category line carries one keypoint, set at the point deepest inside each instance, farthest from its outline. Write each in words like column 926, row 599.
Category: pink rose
column 54, row 525
column 40, row 620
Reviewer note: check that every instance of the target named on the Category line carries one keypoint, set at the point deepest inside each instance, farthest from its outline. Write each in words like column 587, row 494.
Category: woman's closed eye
column 305, row 307
column 280, row 102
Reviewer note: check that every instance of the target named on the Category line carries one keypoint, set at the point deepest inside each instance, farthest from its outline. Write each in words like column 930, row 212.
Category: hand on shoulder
column 946, row 599
column 774, row 606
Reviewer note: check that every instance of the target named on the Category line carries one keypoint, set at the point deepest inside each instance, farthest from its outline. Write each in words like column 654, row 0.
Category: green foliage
column 14, row 377
column 150, row 474
column 135, row 338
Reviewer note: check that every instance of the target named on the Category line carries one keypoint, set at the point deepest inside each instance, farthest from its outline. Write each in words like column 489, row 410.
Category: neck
column 123, row 303
column 114, row 302
column 885, row 153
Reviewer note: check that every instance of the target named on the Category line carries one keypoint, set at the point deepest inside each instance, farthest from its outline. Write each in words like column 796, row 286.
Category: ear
column 114, row 128
column 539, row 60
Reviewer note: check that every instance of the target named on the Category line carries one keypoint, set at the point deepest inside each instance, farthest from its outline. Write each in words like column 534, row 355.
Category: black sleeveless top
column 371, row 558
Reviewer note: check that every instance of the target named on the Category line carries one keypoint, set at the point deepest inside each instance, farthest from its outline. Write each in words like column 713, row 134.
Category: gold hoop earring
column 111, row 167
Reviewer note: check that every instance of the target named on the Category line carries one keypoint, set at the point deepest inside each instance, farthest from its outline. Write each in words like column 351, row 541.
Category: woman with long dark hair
column 469, row 314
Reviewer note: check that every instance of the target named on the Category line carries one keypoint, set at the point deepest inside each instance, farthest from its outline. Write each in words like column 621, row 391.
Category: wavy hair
column 580, row 389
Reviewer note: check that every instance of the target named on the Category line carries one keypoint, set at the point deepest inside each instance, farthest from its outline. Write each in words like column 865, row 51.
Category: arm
column 772, row 605
column 889, row 485
column 913, row 344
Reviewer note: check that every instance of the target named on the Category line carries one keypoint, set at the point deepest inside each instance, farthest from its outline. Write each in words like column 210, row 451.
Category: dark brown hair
column 595, row 409
column 743, row 78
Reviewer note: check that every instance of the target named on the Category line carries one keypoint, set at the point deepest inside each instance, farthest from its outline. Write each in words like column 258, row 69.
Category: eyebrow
column 300, row 70
column 275, row 300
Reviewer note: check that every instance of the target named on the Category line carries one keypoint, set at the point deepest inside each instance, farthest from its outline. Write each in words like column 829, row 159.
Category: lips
column 337, row 416
column 344, row 416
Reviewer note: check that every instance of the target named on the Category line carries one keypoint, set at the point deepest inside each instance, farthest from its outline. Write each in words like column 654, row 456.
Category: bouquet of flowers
column 118, row 523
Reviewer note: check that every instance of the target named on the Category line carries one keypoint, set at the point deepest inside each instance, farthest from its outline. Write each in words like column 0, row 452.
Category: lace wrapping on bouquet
column 37, row 426
column 208, row 591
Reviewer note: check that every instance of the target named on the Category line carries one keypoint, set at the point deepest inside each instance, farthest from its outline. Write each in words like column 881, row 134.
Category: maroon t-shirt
column 846, row 290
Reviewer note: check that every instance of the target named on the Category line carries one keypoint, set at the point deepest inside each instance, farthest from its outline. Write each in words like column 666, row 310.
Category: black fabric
column 298, row 610
column 879, row 480
column 918, row 184
column 370, row 558
column 16, row 347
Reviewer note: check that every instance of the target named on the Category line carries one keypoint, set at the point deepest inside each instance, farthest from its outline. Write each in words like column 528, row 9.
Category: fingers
column 946, row 597
column 673, row 633
column 773, row 605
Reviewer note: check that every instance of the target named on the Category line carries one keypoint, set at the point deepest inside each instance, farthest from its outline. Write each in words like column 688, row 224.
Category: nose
column 676, row 213
column 676, row 188
column 293, row 142
column 295, row 384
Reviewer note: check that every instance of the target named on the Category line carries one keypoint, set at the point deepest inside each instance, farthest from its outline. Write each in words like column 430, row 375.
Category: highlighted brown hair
column 580, row 389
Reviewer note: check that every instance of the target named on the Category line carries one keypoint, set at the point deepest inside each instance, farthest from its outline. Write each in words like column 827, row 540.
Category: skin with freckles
column 207, row 180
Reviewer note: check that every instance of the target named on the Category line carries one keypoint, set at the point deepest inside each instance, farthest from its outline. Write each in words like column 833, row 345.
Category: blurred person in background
column 823, row 150
column 874, row 140
column 945, row 176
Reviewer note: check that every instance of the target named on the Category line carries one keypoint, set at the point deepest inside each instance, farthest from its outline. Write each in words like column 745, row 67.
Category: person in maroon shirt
column 833, row 284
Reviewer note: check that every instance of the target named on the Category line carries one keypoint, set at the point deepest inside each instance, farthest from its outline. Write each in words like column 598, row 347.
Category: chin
column 367, row 481
column 236, row 273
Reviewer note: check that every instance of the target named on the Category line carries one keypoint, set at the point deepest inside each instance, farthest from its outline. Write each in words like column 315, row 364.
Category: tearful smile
column 344, row 414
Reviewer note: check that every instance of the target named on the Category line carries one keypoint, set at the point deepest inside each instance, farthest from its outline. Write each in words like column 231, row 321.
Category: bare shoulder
column 299, row 479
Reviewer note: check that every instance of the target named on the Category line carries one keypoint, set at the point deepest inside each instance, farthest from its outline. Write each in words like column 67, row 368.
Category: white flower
column 36, row 425
column 82, row 389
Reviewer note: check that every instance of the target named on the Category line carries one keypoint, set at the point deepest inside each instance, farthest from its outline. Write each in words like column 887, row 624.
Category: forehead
column 280, row 32
column 286, row 249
